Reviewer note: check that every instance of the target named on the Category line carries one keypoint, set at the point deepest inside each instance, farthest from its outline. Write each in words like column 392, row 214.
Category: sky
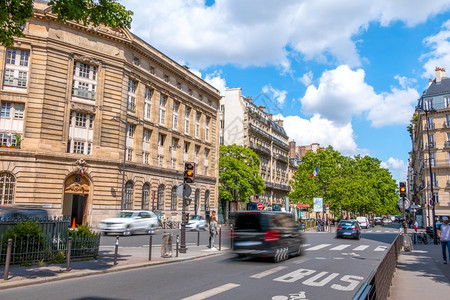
column 345, row 73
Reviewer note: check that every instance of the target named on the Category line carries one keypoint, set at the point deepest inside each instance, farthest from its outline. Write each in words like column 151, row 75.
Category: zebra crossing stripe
column 380, row 248
column 318, row 247
column 340, row 247
column 361, row 248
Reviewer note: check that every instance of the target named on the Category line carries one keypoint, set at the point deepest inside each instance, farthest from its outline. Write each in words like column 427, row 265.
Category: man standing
column 444, row 235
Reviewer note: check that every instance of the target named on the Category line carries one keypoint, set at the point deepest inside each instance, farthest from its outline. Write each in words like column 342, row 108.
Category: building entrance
column 75, row 205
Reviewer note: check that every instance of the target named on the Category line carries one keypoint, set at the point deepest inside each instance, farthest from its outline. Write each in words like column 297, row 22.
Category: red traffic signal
column 189, row 172
column 402, row 188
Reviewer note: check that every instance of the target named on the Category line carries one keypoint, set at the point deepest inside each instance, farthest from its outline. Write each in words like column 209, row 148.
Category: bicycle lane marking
column 212, row 292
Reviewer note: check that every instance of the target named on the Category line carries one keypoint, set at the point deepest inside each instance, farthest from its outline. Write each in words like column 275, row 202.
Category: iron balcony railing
column 77, row 92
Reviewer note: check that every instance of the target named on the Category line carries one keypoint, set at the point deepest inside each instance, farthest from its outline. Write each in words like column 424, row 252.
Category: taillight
column 339, row 227
column 271, row 235
column 354, row 227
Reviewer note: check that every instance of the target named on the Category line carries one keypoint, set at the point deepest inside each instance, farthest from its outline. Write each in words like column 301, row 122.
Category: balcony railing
column 260, row 148
column 15, row 81
column 259, row 131
column 77, row 92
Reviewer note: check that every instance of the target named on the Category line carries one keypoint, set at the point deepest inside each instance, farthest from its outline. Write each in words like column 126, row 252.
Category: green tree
column 15, row 13
column 239, row 174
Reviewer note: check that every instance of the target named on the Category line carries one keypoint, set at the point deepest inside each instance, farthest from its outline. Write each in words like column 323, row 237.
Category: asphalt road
column 330, row 269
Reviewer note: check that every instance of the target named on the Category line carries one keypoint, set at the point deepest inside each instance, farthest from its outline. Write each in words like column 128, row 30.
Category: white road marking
column 340, row 247
column 212, row 292
column 378, row 231
column 318, row 247
column 320, row 257
column 361, row 248
column 338, row 258
column 380, row 248
column 268, row 272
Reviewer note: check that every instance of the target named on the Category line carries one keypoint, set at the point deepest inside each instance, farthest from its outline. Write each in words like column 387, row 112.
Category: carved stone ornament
column 84, row 108
column 76, row 188
column 86, row 59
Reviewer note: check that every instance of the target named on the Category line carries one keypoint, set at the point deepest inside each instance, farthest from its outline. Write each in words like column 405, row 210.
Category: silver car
column 196, row 223
column 128, row 222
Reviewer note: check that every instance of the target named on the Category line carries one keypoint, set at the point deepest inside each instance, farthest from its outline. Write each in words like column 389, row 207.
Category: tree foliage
column 239, row 174
column 353, row 184
column 15, row 13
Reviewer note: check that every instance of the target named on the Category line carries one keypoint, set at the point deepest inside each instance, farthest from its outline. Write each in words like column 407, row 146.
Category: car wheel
column 151, row 229
column 128, row 231
column 300, row 250
column 104, row 233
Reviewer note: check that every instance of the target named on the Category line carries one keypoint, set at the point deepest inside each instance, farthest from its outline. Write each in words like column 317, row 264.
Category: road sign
column 259, row 206
column 431, row 202
column 180, row 190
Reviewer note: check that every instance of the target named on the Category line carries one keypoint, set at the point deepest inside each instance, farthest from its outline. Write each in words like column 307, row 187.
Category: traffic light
column 186, row 218
column 402, row 188
column 189, row 172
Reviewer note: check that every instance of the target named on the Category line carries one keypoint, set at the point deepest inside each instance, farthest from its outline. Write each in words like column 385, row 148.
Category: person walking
column 213, row 230
column 444, row 235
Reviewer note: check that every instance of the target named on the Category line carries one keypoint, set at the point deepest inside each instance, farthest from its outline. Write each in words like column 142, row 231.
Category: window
column 9, row 139
column 186, row 120
column 206, row 156
column 179, row 85
column 128, row 201
column 81, row 128
column 129, row 154
column 207, row 199
column 161, row 139
column 152, row 70
column 145, row 157
column 197, row 198
column 431, row 141
column 196, row 151
column 136, row 61
column 80, row 119
column 84, row 81
column 197, row 125
column 6, row 110
column 162, row 109
column 433, row 159
column 190, row 92
column 208, row 119
column 222, row 123
column 148, row 103
column 145, row 195
column 7, row 186
column 131, row 98
column 430, row 122
column 146, row 135
column 166, row 78
column 173, row 202
column 130, row 130
column 176, row 105
column 186, row 147
column 160, row 202
column 16, row 68
column 222, row 108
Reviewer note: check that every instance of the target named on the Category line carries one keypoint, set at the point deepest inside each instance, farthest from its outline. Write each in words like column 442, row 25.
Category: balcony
column 259, row 148
column 77, row 92
column 15, row 81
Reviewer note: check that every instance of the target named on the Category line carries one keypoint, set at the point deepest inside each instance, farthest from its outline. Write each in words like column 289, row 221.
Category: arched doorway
column 75, row 203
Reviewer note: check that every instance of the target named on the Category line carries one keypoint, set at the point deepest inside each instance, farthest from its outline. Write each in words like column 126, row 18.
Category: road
column 330, row 269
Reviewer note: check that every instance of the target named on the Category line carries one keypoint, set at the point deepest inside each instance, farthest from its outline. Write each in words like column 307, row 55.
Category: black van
column 21, row 214
column 266, row 234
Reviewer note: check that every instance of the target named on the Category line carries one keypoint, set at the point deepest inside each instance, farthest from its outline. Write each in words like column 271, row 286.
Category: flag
column 81, row 172
column 316, row 172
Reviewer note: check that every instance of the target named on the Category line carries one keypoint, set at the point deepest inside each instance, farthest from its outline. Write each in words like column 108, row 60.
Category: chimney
column 430, row 82
column 270, row 116
column 279, row 122
column 292, row 148
column 249, row 99
column 262, row 108
column 440, row 73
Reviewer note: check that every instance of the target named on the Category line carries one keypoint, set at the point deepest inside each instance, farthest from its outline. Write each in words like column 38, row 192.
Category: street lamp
column 433, row 212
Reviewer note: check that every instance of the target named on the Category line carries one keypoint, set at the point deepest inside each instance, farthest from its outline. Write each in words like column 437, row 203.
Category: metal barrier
column 379, row 282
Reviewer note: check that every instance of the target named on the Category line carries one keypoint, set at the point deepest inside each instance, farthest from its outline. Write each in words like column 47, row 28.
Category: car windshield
column 124, row 214
column 195, row 218
column 347, row 223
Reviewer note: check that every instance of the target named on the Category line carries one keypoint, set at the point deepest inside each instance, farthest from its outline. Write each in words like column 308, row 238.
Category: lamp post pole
column 431, row 182
column 122, row 204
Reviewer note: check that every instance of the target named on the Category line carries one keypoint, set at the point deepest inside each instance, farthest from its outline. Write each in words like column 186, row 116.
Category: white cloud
column 215, row 79
column 405, row 82
column 439, row 56
column 247, row 33
column 343, row 93
column 397, row 167
column 278, row 95
column 307, row 78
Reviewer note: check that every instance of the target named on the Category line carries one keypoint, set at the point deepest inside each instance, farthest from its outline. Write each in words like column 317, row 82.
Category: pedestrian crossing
column 345, row 247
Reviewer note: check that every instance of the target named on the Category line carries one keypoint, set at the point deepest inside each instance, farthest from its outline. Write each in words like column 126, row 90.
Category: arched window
column 197, row 198
column 128, row 201
column 145, row 195
column 7, row 186
column 160, row 204
column 207, row 200
column 173, row 199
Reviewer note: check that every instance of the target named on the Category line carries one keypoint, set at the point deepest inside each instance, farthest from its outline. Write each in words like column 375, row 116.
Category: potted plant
column 18, row 139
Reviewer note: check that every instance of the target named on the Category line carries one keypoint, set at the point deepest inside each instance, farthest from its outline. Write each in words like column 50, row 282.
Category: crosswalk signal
column 402, row 188
column 189, row 172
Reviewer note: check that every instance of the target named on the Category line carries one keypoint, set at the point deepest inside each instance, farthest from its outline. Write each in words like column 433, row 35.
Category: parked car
column 128, row 222
column 363, row 222
column 266, row 234
column 8, row 213
column 429, row 229
column 196, row 222
column 348, row 228
column 378, row 221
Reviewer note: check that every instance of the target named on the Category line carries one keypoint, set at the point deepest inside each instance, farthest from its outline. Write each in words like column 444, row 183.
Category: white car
column 196, row 223
column 363, row 222
column 128, row 222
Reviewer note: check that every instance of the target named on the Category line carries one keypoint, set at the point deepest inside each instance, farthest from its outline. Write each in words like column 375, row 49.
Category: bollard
column 150, row 245
column 220, row 237
column 198, row 238
column 8, row 259
column 69, row 250
column 231, row 236
column 178, row 240
column 116, row 250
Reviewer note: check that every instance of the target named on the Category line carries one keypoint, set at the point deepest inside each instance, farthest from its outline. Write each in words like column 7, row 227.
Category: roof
column 438, row 88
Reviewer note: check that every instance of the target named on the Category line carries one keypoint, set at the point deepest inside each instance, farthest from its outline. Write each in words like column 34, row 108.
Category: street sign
column 180, row 190
column 431, row 202
column 259, row 206
column 318, row 204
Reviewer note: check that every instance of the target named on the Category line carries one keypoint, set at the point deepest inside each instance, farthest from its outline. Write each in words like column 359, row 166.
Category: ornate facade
column 94, row 120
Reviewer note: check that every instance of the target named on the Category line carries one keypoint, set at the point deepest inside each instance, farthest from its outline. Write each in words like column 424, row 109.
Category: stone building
column 430, row 137
column 245, row 124
column 94, row 120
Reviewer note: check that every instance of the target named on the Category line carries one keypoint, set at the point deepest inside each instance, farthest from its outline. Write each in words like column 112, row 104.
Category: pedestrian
column 213, row 230
column 444, row 235
column 416, row 226
column 302, row 225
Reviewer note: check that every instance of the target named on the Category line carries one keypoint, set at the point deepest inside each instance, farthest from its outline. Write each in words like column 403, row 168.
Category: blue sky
column 345, row 73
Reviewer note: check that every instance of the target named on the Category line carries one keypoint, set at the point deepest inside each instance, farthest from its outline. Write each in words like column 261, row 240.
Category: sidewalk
column 128, row 258
column 421, row 274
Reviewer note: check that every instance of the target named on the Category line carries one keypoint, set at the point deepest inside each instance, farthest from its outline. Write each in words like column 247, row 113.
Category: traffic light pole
column 431, row 183
column 183, row 221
